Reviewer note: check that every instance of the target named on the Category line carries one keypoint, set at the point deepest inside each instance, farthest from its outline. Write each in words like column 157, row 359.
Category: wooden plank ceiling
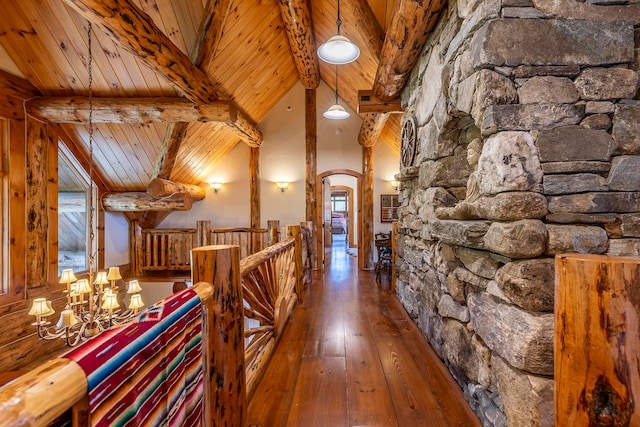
column 252, row 65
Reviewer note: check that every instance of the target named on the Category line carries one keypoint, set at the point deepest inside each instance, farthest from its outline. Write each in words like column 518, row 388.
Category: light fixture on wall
column 338, row 49
column 215, row 186
column 91, row 308
column 395, row 184
column 282, row 186
column 336, row 111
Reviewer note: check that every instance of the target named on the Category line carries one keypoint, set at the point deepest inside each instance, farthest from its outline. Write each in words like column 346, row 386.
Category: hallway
column 350, row 356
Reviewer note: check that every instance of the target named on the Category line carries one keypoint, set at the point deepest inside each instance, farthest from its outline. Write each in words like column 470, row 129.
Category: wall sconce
column 215, row 186
column 395, row 185
column 282, row 186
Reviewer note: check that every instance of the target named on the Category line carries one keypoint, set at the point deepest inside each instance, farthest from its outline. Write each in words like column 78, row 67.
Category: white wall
column 116, row 239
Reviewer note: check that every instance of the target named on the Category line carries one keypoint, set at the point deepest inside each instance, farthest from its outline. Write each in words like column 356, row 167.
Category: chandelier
column 338, row 49
column 91, row 308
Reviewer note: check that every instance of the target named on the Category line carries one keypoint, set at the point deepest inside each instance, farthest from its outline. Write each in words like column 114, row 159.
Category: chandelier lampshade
column 338, row 49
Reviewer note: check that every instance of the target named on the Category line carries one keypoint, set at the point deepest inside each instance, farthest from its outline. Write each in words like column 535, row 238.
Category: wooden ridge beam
column 372, row 126
column 297, row 23
column 367, row 21
column 368, row 103
column 138, row 201
column 411, row 24
column 134, row 31
column 75, row 110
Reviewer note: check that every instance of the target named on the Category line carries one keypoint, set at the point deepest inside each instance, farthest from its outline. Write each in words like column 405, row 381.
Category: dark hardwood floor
column 351, row 356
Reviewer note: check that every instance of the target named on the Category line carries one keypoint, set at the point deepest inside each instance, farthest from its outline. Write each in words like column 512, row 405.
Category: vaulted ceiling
column 249, row 63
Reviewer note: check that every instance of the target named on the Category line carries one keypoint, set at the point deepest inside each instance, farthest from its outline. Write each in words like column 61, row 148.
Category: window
column 389, row 207
column 338, row 201
column 73, row 227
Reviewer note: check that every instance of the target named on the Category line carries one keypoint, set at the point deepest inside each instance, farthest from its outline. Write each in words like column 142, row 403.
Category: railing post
column 136, row 251
column 203, row 233
column 306, row 227
column 273, row 225
column 597, row 345
column 294, row 231
column 220, row 265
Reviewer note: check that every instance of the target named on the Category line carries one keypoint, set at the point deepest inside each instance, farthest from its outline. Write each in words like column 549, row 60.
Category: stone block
column 481, row 263
column 525, row 117
column 583, row 239
column 574, row 143
column 525, row 71
column 447, row 307
column 597, row 121
column 548, row 90
column 577, row 218
column 630, row 225
column 625, row 173
column 461, row 353
column 527, row 399
column 626, row 129
column 522, row 13
column 600, row 84
column 599, row 107
column 432, row 198
column 519, row 239
column 517, row 3
column 446, row 172
column 491, row 89
column 433, row 145
column 463, row 233
column 574, row 183
column 509, row 162
column 470, row 278
column 624, row 247
column 456, row 288
column 595, row 203
column 575, row 167
column 524, row 339
column 529, row 284
column 512, row 206
column 514, row 42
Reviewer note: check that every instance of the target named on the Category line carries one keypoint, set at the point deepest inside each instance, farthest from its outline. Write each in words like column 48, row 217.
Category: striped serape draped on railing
column 149, row 372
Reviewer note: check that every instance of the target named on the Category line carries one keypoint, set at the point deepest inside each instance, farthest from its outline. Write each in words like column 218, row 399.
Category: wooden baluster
column 295, row 232
column 220, row 265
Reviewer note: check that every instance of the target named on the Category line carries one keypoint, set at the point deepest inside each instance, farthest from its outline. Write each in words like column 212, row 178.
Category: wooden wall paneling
column 367, row 208
column 37, row 223
column 17, row 210
column 10, row 107
column 17, row 87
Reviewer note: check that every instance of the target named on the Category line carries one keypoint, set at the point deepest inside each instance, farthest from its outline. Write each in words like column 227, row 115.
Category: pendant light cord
column 338, row 21
column 336, row 84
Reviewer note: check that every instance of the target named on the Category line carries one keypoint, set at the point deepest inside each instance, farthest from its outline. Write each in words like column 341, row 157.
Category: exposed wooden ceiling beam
column 411, row 24
column 139, row 201
column 134, row 31
column 368, row 103
column 128, row 110
column 297, row 22
column 17, row 87
column 372, row 126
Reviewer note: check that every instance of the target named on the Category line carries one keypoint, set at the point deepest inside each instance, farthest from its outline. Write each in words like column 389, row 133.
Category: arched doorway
column 319, row 200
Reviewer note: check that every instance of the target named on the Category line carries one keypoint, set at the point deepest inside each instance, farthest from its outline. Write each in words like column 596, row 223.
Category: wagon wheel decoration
column 408, row 139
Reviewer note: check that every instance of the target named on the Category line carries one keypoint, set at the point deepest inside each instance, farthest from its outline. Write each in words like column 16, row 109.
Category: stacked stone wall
column 548, row 90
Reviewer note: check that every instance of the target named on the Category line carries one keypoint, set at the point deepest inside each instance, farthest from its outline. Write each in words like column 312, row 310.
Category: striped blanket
column 150, row 372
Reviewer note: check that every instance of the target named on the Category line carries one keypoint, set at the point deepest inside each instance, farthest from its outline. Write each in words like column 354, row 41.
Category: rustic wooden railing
column 168, row 249
column 262, row 287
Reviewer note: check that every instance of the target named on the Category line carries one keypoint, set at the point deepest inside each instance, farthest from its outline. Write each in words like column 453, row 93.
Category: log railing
column 260, row 289
column 168, row 249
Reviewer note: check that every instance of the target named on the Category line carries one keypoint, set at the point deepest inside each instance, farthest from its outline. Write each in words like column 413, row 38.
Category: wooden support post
column 311, row 210
column 365, row 261
column 273, row 227
column 295, row 232
column 220, row 265
column 254, row 182
column 137, row 251
column 597, row 340
column 36, row 203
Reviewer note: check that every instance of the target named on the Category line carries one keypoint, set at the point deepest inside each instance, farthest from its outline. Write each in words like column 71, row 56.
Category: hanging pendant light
column 336, row 111
column 338, row 49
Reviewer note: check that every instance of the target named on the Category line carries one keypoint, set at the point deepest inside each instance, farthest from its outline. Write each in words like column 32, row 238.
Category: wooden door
column 326, row 222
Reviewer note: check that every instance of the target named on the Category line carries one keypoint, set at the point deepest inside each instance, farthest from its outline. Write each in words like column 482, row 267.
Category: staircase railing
column 261, row 289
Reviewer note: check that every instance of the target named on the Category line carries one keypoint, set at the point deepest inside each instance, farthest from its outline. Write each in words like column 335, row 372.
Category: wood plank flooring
column 351, row 356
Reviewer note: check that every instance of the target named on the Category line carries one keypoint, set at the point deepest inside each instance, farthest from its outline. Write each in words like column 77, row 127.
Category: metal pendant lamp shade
column 336, row 111
column 338, row 49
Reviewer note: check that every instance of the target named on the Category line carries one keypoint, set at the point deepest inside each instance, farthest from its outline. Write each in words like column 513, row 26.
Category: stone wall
column 545, row 90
